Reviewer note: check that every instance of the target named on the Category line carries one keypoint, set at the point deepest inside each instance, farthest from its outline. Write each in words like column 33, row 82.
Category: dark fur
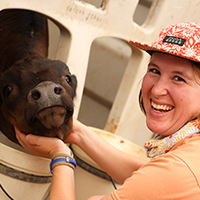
column 22, row 34
column 36, row 93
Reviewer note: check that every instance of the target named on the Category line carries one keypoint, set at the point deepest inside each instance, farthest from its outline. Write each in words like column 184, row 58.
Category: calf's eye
column 68, row 78
column 7, row 90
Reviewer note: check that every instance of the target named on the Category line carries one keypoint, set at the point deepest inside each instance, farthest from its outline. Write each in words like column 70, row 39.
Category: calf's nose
column 39, row 92
column 46, row 94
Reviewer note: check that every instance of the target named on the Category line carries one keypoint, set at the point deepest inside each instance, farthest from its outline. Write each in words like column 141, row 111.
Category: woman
column 170, row 100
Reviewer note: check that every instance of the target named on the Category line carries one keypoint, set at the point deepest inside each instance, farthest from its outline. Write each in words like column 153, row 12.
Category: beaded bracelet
column 67, row 160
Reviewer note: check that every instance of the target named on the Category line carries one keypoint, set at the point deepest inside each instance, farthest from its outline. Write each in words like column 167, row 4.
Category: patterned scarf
column 160, row 145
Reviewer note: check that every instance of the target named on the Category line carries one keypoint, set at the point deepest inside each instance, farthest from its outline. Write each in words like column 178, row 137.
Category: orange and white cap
column 178, row 39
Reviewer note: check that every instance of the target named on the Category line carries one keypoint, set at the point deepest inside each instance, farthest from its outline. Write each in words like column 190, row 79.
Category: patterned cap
column 179, row 39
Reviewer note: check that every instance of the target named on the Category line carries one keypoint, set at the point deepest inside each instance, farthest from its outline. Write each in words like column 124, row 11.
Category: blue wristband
column 67, row 160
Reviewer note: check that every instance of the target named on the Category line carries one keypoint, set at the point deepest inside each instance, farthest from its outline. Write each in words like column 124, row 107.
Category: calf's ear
column 74, row 84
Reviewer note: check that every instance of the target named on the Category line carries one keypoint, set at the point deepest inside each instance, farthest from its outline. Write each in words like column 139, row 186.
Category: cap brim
column 149, row 49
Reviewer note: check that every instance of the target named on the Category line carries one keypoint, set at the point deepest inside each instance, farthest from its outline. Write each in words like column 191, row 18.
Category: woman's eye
column 155, row 71
column 7, row 90
column 68, row 78
column 179, row 79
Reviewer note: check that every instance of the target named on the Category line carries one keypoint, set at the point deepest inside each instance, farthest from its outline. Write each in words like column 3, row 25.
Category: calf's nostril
column 35, row 94
column 57, row 90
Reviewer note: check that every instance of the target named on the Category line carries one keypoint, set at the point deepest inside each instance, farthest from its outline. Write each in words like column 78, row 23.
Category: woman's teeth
column 161, row 108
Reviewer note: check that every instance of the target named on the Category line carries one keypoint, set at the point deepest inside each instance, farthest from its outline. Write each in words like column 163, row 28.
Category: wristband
column 62, row 155
column 62, row 161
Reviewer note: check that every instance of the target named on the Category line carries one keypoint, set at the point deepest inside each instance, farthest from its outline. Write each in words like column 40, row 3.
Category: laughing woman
column 169, row 99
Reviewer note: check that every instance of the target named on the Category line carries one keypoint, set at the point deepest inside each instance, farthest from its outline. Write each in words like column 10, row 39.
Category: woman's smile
column 160, row 108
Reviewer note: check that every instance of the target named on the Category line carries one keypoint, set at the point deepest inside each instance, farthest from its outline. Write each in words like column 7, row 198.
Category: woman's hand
column 77, row 134
column 47, row 146
column 41, row 146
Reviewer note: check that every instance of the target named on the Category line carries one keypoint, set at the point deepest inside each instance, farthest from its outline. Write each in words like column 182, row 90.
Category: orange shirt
column 174, row 175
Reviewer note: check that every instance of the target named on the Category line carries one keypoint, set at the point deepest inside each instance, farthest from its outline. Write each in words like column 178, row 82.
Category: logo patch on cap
column 174, row 40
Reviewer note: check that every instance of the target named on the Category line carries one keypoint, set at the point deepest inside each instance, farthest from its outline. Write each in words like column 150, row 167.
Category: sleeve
column 164, row 177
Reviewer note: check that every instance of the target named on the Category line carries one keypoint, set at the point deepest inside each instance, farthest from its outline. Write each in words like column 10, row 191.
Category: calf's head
column 37, row 97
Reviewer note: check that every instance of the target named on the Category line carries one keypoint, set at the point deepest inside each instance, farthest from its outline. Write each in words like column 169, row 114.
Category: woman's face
column 170, row 93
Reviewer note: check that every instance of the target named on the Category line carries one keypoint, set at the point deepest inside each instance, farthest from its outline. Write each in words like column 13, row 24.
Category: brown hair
column 141, row 102
column 196, row 68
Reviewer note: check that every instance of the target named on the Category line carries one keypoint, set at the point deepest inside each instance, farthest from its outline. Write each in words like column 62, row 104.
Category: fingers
column 27, row 141
column 20, row 136
column 76, row 132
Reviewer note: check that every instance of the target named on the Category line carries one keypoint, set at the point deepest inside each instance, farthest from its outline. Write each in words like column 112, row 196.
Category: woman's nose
column 160, row 88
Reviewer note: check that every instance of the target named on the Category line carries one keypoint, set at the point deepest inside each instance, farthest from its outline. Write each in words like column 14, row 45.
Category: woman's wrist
column 62, row 159
column 60, row 147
